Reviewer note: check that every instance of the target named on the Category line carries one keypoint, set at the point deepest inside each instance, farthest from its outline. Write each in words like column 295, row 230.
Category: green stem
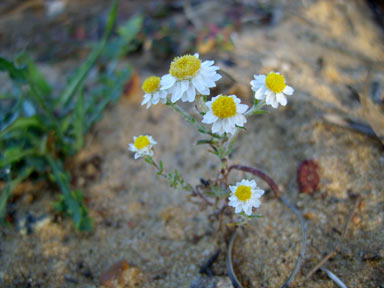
column 257, row 107
column 192, row 120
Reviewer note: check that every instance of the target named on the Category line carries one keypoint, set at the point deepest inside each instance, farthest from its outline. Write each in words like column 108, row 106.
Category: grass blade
column 6, row 192
column 84, row 69
column 72, row 200
column 22, row 123
column 79, row 122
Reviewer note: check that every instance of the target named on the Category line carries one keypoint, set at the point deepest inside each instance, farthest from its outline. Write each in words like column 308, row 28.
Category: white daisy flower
column 245, row 195
column 225, row 112
column 272, row 88
column 153, row 93
column 142, row 146
column 189, row 76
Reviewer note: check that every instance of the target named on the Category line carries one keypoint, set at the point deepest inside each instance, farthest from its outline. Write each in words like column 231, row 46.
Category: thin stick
column 334, row 278
column 334, row 251
column 231, row 273
column 205, row 268
column 300, row 259
column 276, row 192
column 201, row 195
column 260, row 174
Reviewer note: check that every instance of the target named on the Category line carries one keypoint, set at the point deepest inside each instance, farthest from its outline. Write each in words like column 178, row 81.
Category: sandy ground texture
column 330, row 52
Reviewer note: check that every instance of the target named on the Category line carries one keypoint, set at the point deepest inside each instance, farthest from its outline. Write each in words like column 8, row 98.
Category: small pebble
column 356, row 220
column 309, row 216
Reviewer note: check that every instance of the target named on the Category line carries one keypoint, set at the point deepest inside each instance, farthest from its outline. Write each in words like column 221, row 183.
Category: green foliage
column 41, row 127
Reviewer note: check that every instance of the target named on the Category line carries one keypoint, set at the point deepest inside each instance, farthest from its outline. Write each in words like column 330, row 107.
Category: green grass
column 41, row 127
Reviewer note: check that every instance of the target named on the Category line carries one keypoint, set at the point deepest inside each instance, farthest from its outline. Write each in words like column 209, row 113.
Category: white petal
column 259, row 78
column 177, row 92
column 209, row 118
column 191, row 93
column 137, row 155
column 260, row 93
column 132, row 147
column 199, row 84
column 167, row 81
column 258, row 193
column 240, row 120
column 274, row 103
column 184, row 85
column 288, row 90
column 270, row 98
column 241, row 108
column 163, row 94
column 217, row 127
column 207, row 63
column 238, row 209
column 256, row 203
column 248, row 210
column 184, row 98
column 155, row 98
column 147, row 98
column 281, row 99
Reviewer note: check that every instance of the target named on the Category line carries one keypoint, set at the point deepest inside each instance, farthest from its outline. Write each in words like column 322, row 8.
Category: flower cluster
column 189, row 80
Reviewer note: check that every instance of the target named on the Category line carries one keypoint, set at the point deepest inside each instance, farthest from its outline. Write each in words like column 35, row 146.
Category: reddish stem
column 201, row 195
column 259, row 174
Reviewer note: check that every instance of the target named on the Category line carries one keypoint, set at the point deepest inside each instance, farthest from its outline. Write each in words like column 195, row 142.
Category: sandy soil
column 326, row 49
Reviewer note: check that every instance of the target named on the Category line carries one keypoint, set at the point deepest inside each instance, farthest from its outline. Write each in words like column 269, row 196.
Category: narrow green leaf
column 204, row 141
column 84, row 69
column 108, row 94
column 13, row 71
column 129, row 29
column 79, row 122
column 73, row 202
column 111, row 19
column 22, row 123
column 15, row 154
column 258, row 112
column 37, row 81
column 7, row 191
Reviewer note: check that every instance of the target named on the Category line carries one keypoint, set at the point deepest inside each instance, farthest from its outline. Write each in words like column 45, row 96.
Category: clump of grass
column 41, row 127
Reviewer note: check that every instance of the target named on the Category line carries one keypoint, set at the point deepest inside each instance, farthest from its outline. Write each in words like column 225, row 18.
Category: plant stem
column 260, row 174
column 192, row 120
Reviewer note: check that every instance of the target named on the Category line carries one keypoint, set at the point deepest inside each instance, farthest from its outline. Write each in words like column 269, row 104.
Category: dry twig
column 277, row 193
column 334, row 251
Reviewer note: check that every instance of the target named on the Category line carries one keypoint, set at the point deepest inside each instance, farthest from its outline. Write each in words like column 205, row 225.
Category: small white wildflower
column 142, row 146
column 153, row 93
column 225, row 112
column 271, row 88
column 245, row 195
column 189, row 76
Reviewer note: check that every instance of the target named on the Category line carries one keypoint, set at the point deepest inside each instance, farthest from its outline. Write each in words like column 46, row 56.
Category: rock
column 120, row 275
column 31, row 223
column 308, row 176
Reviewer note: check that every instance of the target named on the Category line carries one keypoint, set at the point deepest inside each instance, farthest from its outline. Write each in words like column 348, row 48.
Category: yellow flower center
column 275, row 82
column 151, row 84
column 243, row 193
column 141, row 142
column 224, row 107
column 185, row 67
